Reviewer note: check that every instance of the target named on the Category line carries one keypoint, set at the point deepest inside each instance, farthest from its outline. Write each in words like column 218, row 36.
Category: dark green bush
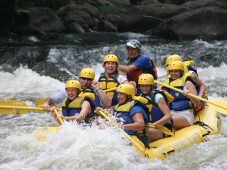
column 54, row 4
column 135, row 2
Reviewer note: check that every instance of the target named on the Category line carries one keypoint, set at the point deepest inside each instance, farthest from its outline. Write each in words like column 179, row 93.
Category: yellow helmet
column 172, row 58
column 176, row 65
column 73, row 84
column 87, row 73
column 127, row 89
column 146, row 79
column 111, row 57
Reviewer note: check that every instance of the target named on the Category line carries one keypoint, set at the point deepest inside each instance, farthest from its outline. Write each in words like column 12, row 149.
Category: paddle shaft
column 20, row 107
column 17, row 107
column 161, row 128
column 191, row 95
column 58, row 117
column 124, row 133
column 111, row 89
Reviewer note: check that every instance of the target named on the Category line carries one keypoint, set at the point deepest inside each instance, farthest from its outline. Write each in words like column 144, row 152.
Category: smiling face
column 110, row 67
column 121, row 97
column 175, row 74
column 132, row 52
column 72, row 93
column 145, row 88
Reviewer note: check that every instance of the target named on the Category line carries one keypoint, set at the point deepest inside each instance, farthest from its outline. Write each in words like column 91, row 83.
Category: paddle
column 16, row 107
column 217, row 105
column 20, row 107
column 111, row 89
column 161, row 128
column 59, row 119
column 40, row 102
column 42, row 132
column 135, row 141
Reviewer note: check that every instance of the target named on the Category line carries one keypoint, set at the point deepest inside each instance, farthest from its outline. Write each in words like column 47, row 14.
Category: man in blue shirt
column 138, row 63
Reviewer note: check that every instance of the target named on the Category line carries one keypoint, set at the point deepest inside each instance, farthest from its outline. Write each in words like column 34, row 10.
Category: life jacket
column 72, row 107
column 134, row 75
column 122, row 113
column 180, row 101
column 107, row 83
column 90, row 95
column 188, row 68
column 155, row 112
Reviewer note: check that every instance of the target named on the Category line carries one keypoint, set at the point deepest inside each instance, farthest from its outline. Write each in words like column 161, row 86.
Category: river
column 41, row 68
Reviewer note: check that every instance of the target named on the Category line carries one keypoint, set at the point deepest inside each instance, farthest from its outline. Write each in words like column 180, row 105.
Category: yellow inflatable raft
column 207, row 122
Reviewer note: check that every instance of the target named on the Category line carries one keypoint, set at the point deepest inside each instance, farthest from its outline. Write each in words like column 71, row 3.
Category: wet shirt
column 142, row 63
column 59, row 97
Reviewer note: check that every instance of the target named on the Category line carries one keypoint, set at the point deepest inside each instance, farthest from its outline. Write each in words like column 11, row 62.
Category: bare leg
column 154, row 134
column 179, row 122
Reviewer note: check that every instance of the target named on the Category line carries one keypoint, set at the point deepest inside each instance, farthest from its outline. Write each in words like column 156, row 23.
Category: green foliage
column 73, row 1
column 54, row 4
column 136, row 2
column 23, row 4
column 106, row 9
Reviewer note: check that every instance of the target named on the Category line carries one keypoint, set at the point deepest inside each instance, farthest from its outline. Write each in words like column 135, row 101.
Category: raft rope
column 205, row 126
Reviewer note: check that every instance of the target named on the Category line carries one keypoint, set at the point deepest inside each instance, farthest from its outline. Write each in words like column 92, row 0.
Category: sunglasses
column 88, row 79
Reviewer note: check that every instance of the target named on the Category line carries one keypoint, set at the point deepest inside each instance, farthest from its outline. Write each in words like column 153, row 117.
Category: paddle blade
column 42, row 133
column 12, row 110
column 219, row 106
column 39, row 103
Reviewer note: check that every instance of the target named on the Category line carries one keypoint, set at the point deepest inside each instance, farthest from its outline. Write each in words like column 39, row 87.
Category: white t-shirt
column 158, row 96
column 59, row 97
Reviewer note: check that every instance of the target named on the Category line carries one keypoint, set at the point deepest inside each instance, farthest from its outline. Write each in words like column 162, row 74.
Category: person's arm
column 46, row 106
column 86, row 109
column 138, row 124
column 139, row 64
column 202, row 86
column 105, row 99
column 165, row 110
column 190, row 88
column 54, row 100
column 127, row 69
